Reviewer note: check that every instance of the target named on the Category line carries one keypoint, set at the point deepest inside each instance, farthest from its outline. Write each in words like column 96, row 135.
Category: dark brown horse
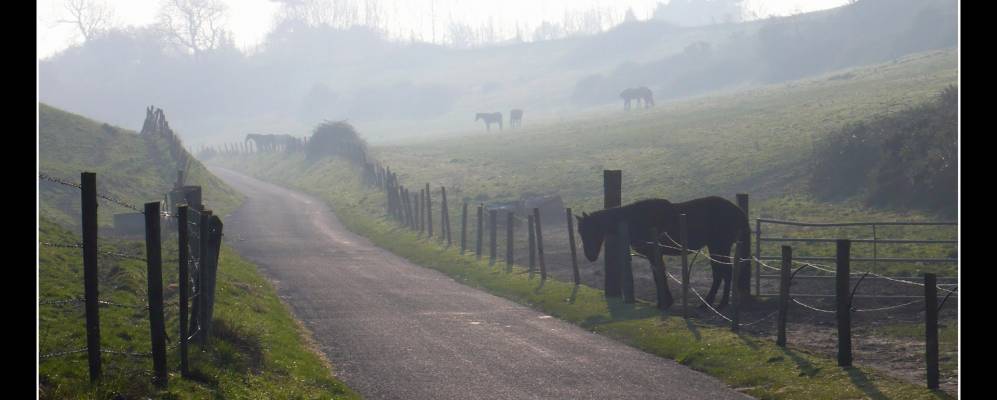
column 490, row 118
column 515, row 118
column 713, row 222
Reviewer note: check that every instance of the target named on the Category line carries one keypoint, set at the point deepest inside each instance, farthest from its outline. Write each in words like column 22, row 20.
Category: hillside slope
column 761, row 141
column 132, row 168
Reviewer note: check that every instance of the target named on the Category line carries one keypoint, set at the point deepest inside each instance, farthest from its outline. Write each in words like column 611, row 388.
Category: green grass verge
column 758, row 367
column 257, row 349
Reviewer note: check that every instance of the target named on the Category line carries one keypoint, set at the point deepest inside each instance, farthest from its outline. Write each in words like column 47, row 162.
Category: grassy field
column 758, row 142
column 752, row 365
column 257, row 348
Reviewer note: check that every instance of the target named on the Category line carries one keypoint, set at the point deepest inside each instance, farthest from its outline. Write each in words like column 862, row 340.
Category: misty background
column 352, row 60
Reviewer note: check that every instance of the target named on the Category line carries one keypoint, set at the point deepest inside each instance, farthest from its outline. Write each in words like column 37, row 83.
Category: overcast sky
column 250, row 20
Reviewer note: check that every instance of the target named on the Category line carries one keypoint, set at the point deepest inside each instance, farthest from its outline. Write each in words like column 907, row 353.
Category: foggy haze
column 317, row 64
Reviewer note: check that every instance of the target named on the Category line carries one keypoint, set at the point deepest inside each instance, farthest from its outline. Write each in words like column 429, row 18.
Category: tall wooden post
column 843, row 310
column 571, row 245
column 481, row 229
column 463, row 228
column 735, row 303
column 88, row 198
column 931, row 329
column 183, row 275
column 429, row 212
column 784, row 275
column 202, row 272
column 540, row 243
column 612, row 184
column 446, row 215
column 684, row 238
column 509, row 245
column 154, row 269
column 532, row 240
column 492, row 236
column 744, row 254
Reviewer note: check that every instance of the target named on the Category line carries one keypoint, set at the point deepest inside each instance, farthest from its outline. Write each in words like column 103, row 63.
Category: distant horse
column 515, row 118
column 638, row 93
column 712, row 221
column 490, row 118
column 262, row 142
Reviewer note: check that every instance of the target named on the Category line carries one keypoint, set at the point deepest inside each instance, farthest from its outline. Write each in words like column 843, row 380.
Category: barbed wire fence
column 199, row 240
column 415, row 212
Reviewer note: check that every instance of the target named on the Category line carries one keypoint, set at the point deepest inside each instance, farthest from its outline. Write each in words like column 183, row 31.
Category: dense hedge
column 905, row 160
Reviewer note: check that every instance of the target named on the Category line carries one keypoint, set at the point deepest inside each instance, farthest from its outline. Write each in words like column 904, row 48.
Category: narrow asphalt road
column 395, row 330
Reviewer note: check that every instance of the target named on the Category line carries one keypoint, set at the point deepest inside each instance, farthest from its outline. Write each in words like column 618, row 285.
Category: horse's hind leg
column 727, row 274
column 717, row 277
column 665, row 299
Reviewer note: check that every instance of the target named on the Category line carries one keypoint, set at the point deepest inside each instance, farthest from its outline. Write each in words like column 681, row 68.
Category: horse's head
column 592, row 235
column 477, row 117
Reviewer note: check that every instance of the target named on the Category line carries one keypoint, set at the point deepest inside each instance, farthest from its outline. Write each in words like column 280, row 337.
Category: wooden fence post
column 571, row 245
column 735, row 297
column 931, row 328
column 532, row 240
column 463, row 228
column 784, row 272
column 154, row 278
column 509, row 220
column 684, row 238
column 443, row 214
column 429, row 212
column 744, row 254
column 403, row 208
column 214, row 247
column 202, row 273
column 420, row 214
column 843, row 310
column 183, row 276
column 88, row 198
column 540, row 243
column 492, row 236
column 612, row 185
column 626, row 267
column 481, row 229
column 446, row 213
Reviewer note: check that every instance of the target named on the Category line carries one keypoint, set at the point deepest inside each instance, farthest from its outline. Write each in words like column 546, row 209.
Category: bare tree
column 89, row 16
column 194, row 25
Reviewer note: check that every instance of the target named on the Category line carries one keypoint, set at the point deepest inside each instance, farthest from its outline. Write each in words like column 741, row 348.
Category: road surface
column 394, row 330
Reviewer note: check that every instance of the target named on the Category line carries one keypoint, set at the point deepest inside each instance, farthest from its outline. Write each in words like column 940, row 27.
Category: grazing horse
column 515, row 118
column 637, row 93
column 263, row 142
column 712, row 221
column 490, row 118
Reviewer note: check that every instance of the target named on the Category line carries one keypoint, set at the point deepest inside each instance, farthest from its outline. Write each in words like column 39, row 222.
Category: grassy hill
column 761, row 142
column 257, row 349
column 133, row 168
